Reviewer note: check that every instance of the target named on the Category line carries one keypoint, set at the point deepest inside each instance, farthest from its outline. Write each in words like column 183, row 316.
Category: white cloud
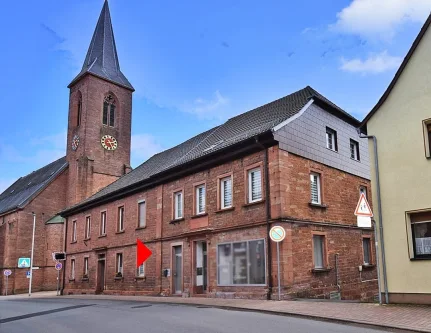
column 143, row 147
column 217, row 107
column 374, row 64
column 380, row 19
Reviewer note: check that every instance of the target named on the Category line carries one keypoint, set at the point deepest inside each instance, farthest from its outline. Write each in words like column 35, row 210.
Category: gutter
column 379, row 205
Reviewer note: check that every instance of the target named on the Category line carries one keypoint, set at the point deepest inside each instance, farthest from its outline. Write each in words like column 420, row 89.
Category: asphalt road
column 106, row 316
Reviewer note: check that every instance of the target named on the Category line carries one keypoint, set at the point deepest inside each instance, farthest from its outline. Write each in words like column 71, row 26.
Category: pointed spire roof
column 102, row 57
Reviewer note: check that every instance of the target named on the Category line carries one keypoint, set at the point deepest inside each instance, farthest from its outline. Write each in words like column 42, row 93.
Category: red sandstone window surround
column 120, row 219
column 225, row 191
column 320, row 251
column 85, row 267
column 72, row 269
column 316, row 188
column 87, row 234
column 253, row 182
column 199, row 198
column 367, row 253
column 103, row 223
column 178, row 205
column 74, row 231
column 142, row 214
column 119, row 265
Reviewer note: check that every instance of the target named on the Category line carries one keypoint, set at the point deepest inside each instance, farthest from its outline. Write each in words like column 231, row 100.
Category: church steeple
column 102, row 57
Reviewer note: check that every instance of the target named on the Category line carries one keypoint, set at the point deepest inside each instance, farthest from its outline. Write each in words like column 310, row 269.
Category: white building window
column 120, row 226
column 178, row 205
column 354, row 150
column 200, row 199
column 254, row 185
column 142, row 214
column 319, row 251
column 316, row 196
column 140, row 271
column 72, row 269
column 331, row 139
column 226, row 192
column 87, row 227
column 86, row 267
column 74, row 231
column 103, row 223
column 241, row 263
column 119, row 264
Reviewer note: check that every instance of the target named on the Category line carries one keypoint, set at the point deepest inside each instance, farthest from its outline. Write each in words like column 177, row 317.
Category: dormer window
column 109, row 111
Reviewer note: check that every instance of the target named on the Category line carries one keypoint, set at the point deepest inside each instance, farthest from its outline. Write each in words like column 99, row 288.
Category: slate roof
column 102, row 57
column 233, row 131
column 26, row 188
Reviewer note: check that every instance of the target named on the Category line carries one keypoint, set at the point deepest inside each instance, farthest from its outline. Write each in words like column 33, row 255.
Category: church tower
column 100, row 116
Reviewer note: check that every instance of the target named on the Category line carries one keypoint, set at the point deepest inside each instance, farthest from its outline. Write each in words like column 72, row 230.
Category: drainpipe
column 379, row 205
column 268, row 216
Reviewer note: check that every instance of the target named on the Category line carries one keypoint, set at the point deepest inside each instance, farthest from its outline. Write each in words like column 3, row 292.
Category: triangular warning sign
column 363, row 208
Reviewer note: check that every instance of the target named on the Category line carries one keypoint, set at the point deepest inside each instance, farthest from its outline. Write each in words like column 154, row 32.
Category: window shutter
column 255, row 183
column 227, row 192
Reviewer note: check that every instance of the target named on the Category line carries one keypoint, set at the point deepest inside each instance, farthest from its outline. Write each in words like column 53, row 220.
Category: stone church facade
column 203, row 207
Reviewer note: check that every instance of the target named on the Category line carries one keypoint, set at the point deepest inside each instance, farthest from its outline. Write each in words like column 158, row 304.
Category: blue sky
column 193, row 64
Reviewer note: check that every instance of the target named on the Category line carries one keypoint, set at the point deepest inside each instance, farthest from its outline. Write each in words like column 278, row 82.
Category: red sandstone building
column 205, row 207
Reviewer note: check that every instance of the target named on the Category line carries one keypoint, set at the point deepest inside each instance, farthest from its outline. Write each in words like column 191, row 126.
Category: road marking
column 42, row 313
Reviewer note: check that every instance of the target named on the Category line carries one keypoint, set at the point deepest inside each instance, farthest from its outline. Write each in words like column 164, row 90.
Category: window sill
column 312, row 204
column 225, row 210
column 74, row 242
column 140, row 228
column 118, row 278
column 142, row 278
column 354, row 159
column 101, row 236
column 71, row 280
column 335, row 151
column 254, row 203
column 199, row 215
column 419, row 259
column 120, row 232
column 368, row 266
column 321, row 270
column 177, row 220
column 87, row 239
column 84, row 280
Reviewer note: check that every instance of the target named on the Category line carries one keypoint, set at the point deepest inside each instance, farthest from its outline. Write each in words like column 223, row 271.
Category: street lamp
column 32, row 251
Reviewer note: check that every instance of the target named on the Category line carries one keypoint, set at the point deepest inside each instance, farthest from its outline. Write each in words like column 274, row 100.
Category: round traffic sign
column 277, row 233
column 7, row 272
column 58, row 266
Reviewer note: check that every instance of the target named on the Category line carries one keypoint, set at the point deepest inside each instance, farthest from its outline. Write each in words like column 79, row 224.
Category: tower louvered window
column 109, row 111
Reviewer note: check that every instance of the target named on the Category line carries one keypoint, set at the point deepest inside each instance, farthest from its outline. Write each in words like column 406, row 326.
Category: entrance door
column 100, row 274
column 177, row 269
column 201, row 279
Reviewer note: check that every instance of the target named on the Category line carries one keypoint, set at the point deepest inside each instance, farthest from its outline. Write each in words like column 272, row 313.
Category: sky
column 194, row 64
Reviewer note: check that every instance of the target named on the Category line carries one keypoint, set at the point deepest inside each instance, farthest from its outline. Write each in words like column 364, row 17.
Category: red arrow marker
column 142, row 253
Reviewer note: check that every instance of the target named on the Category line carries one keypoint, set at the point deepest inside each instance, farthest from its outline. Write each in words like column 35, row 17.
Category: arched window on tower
column 79, row 111
column 109, row 111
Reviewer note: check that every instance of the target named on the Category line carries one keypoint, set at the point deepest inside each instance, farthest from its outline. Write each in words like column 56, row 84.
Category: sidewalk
column 407, row 317
column 404, row 317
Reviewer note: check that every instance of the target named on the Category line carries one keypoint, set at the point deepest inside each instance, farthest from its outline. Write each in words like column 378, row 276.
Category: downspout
column 64, row 249
column 268, row 216
column 379, row 205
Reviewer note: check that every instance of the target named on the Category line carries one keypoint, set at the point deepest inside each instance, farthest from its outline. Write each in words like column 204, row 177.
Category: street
column 79, row 315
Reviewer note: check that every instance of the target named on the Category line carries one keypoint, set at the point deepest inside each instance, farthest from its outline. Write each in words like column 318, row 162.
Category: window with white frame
column 354, row 150
column 140, row 271
column 120, row 223
column 319, row 251
column 254, row 185
column 86, row 267
column 421, row 234
column 74, row 231
column 200, row 199
column 366, row 244
column 103, row 223
column 316, row 196
column 241, row 263
column 331, row 139
column 87, row 227
column 142, row 214
column 178, row 205
column 72, row 269
column 226, row 192
column 119, row 264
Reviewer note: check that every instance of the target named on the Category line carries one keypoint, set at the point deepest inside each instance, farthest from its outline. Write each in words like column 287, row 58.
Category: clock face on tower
column 75, row 142
column 109, row 142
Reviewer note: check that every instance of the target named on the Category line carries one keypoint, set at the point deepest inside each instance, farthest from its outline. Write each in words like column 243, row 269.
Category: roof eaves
column 399, row 71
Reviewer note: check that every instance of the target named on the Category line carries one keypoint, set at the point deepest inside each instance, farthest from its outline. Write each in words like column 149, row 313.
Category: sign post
column 58, row 267
column 6, row 273
column 277, row 234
